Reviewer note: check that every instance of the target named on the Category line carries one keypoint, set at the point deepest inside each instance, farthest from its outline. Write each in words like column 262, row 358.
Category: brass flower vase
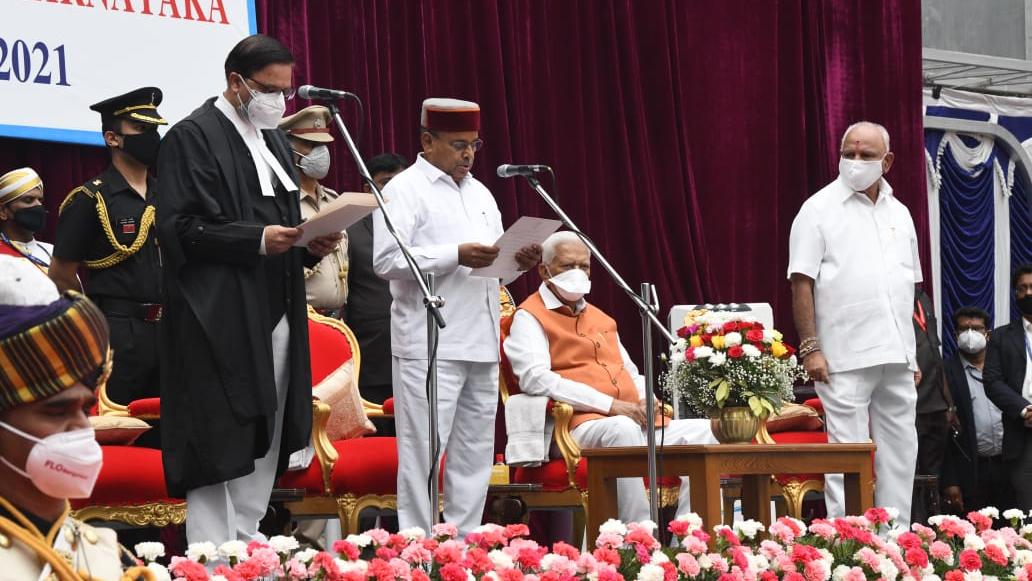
column 734, row 425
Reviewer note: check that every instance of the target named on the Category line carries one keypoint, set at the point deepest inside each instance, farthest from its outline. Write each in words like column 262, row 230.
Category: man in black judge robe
column 236, row 385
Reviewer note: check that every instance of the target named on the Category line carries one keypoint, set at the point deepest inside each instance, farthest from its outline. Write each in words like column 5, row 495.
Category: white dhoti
column 231, row 510
column 876, row 403
column 467, row 398
column 615, row 431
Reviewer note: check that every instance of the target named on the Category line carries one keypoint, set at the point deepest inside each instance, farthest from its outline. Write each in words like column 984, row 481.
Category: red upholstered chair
column 563, row 480
column 367, row 478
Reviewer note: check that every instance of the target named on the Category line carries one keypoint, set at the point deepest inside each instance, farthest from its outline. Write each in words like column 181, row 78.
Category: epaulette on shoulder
column 84, row 189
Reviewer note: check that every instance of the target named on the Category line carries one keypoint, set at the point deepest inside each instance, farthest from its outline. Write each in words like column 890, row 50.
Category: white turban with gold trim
column 18, row 182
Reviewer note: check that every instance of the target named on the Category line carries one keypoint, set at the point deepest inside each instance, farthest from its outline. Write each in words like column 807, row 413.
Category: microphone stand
column 648, row 305
column 432, row 303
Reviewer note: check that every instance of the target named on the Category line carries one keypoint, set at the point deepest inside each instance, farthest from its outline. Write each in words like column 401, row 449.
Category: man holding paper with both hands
column 450, row 221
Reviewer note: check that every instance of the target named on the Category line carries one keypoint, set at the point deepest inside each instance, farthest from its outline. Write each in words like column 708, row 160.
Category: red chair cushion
column 552, row 476
column 130, row 475
column 329, row 349
column 815, row 403
column 388, row 406
column 807, row 437
column 147, row 407
column 365, row 466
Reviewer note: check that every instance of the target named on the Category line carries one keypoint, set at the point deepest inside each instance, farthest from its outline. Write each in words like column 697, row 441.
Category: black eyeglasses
column 288, row 93
column 461, row 145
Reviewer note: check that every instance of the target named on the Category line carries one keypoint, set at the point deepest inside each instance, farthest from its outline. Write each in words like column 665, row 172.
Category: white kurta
column 864, row 262
column 434, row 215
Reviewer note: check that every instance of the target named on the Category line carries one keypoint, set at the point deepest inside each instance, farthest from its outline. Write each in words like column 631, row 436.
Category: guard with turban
column 53, row 354
column 22, row 215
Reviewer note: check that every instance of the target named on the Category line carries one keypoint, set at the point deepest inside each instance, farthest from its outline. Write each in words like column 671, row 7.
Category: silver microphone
column 509, row 170
column 320, row 94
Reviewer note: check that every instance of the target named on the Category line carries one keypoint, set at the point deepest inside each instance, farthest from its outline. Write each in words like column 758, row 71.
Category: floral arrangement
column 844, row 549
column 725, row 359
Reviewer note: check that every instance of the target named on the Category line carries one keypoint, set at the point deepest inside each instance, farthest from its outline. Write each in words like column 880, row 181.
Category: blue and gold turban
column 48, row 342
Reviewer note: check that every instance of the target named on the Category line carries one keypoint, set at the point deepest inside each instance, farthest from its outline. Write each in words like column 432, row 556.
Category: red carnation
column 707, row 339
column 877, row 515
column 679, row 527
column 917, row 558
column 735, row 352
column 504, row 575
column 954, row 575
column 970, row 561
column 516, row 530
column 453, row 572
column 730, row 327
column 909, row 540
column 683, row 333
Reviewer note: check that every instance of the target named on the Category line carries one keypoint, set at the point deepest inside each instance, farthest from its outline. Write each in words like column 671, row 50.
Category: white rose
column 990, row 511
column 650, row 572
column 149, row 551
column 160, row 572
column 751, row 351
column 974, row 542
column 360, row 541
column 500, row 559
column 703, row 352
column 206, row 551
column 413, row 533
column 717, row 359
column 733, row 338
column 230, row 549
column 614, row 527
column 283, row 544
column 306, row 555
column 1013, row 513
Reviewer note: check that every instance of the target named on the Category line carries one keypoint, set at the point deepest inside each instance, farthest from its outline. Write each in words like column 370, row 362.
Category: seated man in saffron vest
column 568, row 350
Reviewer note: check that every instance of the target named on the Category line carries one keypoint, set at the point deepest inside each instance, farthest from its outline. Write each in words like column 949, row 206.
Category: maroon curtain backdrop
column 685, row 134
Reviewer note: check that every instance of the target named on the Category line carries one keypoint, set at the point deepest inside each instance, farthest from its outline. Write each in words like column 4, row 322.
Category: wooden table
column 704, row 464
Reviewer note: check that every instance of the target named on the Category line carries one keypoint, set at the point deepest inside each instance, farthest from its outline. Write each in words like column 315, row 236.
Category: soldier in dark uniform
column 107, row 224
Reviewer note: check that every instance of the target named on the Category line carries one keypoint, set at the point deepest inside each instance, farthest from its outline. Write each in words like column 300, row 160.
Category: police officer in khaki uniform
column 44, row 394
column 326, row 285
column 108, row 225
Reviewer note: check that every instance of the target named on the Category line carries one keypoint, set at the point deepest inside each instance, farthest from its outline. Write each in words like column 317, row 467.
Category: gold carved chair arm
column 105, row 406
column 325, row 453
column 562, row 413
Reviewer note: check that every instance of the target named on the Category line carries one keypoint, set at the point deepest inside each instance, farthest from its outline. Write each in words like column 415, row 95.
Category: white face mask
column 264, row 110
column 859, row 175
column 317, row 163
column 971, row 341
column 62, row 465
column 571, row 285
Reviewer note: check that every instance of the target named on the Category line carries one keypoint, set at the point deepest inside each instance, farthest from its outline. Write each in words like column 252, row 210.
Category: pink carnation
column 346, row 550
column 610, row 540
column 386, row 553
column 380, row 570
column 729, row 536
column 642, row 537
column 719, row 564
column 477, row 561
column 379, row 536
column 816, row 570
column 401, row 569
column 941, row 551
column 607, row 555
column 248, row 569
column 420, row 575
column 868, row 558
column 229, row 573
column 996, row 554
column 529, row 558
column 793, row 576
column 916, row 557
column 679, row 528
column 517, row 530
column 688, row 564
column 448, row 552
column 445, row 529
column 609, row 574
column 855, row 574
column 267, row 558
column 908, row 541
column 509, row 575
column 823, row 529
column 924, row 532
column 954, row 575
column 187, row 569
column 877, row 516
column 980, row 521
column 416, row 554
column 804, row 553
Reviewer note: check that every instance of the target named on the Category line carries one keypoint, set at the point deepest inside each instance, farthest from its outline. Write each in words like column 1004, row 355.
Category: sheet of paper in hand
column 524, row 232
column 336, row 216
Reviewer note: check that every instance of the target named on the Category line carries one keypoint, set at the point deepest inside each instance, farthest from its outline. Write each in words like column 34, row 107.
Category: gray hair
column 870, row 125
column 553, row 242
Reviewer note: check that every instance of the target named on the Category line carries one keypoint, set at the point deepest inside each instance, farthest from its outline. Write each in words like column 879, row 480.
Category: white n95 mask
column 62, row 465
column 572, row 284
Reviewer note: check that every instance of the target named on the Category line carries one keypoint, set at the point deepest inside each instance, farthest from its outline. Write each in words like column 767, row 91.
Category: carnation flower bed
column 852, row 548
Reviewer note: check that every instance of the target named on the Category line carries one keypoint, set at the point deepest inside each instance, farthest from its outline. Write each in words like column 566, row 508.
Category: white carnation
column 149, row 551
column 691, row 518
column 613, row 527
column 1026, row 530
column 717, row 359
column 358, row 566
column 973, row 576
column 770, row 336
column 1022, row 557
column 217, row 578
column 704, row 352
column 659, row 557
column 990, row 511
column 974, row 542
column 887, row 568
column 1013, row 513
column 681, row 345
column 306, row 555
column 202, row 552
column 677, row 357
column 650, row 572
column 840, row 572
column 500, row 560
column 893, row 512
column 160, row 572
column 748, row 528
column 648, row 524
column 733, row 338
column 413, row 533
column 490, row 576
column 233, row 549
column 283, row 544
column 705, row 563
column 751, row 351
column 361, row 541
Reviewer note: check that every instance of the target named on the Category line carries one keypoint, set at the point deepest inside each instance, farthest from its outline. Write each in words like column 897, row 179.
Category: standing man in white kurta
column 853, row 264
column 450, row 222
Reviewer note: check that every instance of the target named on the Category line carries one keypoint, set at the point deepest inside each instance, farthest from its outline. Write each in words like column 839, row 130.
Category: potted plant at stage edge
column 728, row 367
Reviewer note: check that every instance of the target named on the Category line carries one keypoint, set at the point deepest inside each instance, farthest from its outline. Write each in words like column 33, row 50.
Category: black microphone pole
column 432, row 303
column 648, row 305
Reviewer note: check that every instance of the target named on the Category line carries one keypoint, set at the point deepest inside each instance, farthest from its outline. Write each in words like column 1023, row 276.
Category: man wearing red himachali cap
column 450, row 221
